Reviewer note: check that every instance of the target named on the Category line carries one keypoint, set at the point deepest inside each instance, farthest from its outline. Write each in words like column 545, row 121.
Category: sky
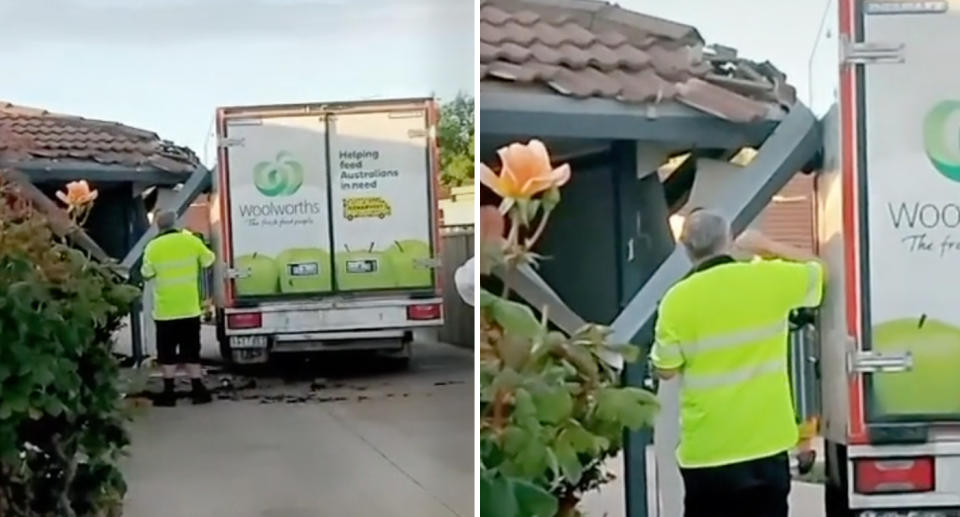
column 165, row 65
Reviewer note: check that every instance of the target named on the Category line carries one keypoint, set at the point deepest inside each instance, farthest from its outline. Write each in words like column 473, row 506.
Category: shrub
column 62, row 428
column 552, row 407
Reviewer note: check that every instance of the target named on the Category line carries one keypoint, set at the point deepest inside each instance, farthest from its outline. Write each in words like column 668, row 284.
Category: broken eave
column 507, row 110
column 45, row 171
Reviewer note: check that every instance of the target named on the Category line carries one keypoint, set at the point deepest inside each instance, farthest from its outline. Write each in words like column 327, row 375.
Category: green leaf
column 515, row 439
column 634, row 408
column 553, row 464
column 487, row 299
column 551, row 198
column 534, row 501
column 569, row 462
column 533, row 208
column 497, row 498
column 580, row 439
column 554, row 404
column 532, row 460
column 516, row 318
column 524, row 409
column 43, row 376
column 523, row 210
column 514, row 350
column 507, row 380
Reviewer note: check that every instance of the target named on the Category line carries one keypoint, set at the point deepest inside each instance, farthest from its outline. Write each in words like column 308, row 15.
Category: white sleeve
column 463, row 278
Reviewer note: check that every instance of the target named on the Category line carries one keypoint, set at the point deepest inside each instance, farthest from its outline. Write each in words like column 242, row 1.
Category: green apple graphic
column 304, row 270
column 933, row 385
column 407, row 256
column 363, row 269
column 262, row 277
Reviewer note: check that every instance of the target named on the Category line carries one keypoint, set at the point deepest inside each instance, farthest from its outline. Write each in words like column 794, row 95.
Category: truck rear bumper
column 335, row 319
column 340, row 341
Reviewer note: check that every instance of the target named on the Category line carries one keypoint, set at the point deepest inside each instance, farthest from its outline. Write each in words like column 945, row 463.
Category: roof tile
column 51, row 136
column 588, row 48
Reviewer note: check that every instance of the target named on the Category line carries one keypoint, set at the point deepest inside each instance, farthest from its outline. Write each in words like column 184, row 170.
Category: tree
column 456, row 141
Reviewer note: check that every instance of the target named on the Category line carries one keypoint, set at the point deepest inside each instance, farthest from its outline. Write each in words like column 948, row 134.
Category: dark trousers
column 756, row 488
column 178, row 341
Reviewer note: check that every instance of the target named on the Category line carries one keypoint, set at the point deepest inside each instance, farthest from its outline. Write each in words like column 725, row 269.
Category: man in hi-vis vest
column 723, row 331
column 173, row 261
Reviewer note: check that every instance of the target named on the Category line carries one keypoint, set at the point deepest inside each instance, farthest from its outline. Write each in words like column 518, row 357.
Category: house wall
column 790, row 216
column 197, row 218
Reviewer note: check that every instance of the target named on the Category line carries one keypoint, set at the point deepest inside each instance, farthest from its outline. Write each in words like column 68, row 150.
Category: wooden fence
column 457, row 248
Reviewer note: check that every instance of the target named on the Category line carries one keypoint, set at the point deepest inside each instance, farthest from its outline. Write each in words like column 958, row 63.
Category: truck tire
column 226, row 355
column 400, row 360
column 836, row 499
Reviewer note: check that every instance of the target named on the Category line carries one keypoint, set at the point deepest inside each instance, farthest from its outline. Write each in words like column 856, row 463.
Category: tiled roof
column 40, row 135
column 588, row 48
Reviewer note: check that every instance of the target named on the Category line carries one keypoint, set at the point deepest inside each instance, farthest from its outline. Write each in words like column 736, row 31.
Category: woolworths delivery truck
column 325, row 226
column 889, row 219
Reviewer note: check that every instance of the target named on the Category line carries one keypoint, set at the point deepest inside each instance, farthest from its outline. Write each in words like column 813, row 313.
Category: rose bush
column 552, row 408
column 62, row 427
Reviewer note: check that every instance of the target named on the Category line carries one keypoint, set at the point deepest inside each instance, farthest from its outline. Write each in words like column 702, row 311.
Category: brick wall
column 197, row 218
column 790, row 215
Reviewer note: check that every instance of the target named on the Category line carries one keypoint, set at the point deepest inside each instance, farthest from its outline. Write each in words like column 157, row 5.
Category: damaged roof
column 589, row 48
column 39, row 135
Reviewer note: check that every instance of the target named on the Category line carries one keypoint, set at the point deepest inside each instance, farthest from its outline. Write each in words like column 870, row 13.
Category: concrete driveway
column 384, row 443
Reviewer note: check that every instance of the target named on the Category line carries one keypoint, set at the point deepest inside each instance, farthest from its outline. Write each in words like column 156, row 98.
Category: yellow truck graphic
column 357, row 207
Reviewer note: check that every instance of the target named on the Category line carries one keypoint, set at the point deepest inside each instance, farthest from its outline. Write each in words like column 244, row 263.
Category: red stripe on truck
column 849, row 148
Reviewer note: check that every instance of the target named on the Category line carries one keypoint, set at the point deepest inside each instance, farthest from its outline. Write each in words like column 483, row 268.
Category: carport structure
column 650, row 120
column 133, row 170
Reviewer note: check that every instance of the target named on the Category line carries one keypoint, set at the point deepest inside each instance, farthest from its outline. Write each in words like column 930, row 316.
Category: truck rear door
column 383, row 210
column 328, row 199
column 277, row 182
column 908, row 166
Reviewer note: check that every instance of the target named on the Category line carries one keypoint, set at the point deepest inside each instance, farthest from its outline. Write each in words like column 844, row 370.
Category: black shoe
column 165, row 399
column 805, row 461
column 200, row 394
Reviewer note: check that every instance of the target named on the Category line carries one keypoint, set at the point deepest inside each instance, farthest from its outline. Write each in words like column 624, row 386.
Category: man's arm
column 802, row 276
column 207, row 257
column 667, row 355
column 147, row 271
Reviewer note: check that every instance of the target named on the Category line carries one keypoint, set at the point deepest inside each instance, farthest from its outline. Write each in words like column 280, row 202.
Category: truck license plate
column 248, row 342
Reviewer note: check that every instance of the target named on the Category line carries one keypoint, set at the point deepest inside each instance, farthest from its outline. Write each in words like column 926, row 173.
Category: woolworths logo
column 941, row 138
column 280, row 177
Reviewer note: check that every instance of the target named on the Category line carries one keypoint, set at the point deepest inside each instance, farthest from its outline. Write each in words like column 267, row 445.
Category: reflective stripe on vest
column 732, row 378
column 734, row 338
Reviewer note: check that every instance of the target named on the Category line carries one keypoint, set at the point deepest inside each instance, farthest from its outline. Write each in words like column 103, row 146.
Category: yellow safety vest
column 725, row 329
column 174, row 260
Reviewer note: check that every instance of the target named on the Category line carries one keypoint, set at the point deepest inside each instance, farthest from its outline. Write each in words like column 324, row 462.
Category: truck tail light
column 893, row 475
column 245, row 320
column 424, row 311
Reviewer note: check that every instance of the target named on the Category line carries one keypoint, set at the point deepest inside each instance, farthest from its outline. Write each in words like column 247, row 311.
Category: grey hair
column 165, row 220
column 705, row 234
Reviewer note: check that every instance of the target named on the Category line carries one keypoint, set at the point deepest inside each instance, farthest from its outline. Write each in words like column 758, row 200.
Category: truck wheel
column 836, row 499
column 226, row 355
column 400, row 359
